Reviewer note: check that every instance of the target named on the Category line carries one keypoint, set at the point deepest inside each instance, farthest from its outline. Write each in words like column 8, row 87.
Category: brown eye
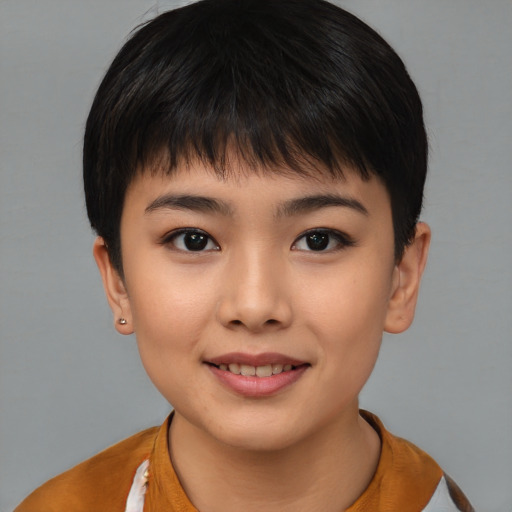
column 195, row 241
column 191, row 240
column 322, row 240
column 317, row 241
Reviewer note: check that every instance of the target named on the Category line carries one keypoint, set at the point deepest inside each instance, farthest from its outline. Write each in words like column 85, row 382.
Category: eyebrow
column 189, row 202
column 307, row 204
column 300, row 205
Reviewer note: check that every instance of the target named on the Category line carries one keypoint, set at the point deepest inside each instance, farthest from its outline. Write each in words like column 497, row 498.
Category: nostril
column 269, row 322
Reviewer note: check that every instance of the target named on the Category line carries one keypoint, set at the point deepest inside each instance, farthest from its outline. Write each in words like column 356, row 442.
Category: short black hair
column 302, row 83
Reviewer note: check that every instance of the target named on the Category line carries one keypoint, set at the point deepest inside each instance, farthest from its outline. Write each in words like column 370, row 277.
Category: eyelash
column 343, row 241
column 170, row 239
column 204, row 239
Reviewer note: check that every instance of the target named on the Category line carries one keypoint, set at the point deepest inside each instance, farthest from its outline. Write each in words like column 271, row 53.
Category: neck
column 326, row 472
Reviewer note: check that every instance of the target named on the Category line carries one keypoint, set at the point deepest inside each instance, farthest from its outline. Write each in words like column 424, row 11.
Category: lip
column 257, row 387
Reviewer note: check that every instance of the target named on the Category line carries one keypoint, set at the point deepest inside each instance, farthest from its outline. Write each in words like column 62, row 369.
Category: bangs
column 231, row 85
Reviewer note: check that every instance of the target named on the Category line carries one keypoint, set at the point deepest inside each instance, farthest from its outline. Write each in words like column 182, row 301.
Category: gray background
column 70, row 386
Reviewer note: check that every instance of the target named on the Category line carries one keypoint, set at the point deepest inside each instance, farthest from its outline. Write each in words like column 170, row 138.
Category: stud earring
column 122, row 321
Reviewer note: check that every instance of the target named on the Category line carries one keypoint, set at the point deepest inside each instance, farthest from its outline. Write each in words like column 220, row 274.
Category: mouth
column 260, row 365
column 256, row 376
column 262, row 371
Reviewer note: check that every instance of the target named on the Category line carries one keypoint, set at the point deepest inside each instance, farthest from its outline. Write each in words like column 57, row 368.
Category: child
column 254, row 170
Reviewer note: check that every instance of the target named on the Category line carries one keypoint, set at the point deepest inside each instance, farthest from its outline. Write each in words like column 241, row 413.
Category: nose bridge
column 255, row 292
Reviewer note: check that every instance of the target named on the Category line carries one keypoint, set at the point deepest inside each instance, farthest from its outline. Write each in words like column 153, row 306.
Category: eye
column 322, row 240
column 191, row 240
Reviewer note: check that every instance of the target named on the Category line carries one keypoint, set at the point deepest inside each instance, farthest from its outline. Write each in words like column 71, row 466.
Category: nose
column 255, row 294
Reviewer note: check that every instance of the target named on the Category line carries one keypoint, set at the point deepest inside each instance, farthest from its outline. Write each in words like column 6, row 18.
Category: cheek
column 159, row 309
column 347, row 315
column 348, row 300
column 165, row 294
column 170, row 309
column 169, row 323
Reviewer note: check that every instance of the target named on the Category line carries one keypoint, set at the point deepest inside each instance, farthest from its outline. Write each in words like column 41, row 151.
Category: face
column 258, row 301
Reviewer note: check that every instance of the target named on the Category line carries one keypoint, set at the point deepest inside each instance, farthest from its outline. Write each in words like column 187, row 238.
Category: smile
column 257, row 376
column 246, row 370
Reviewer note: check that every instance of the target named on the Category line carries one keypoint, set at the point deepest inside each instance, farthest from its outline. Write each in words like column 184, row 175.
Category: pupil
column 317, row 241
column 195, row 241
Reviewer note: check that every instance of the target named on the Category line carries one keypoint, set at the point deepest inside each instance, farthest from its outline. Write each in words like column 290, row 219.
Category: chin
column 257, row 434
column 258, row 440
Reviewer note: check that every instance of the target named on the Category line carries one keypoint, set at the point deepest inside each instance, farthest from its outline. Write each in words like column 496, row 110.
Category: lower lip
column 258, row 386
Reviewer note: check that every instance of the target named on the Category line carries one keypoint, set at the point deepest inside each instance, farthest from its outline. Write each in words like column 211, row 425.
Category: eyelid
column 343, row 239
column 168, row 238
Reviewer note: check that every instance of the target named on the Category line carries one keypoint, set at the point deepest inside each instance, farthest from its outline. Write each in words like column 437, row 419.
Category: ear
column 406, row 282
column 115, row 288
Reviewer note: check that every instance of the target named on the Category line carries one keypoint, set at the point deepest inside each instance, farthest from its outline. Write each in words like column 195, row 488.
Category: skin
column 257, row 287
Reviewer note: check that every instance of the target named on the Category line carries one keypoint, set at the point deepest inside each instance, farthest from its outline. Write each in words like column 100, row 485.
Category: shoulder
column 448, row 498
column 100, row 483
column 409, row 478
column 401, row 458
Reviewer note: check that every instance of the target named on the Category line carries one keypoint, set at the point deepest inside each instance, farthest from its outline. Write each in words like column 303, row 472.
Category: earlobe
column 406, row 281
column 115, row 289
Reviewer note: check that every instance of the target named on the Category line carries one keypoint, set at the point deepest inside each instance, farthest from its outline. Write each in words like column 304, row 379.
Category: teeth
column 247, row 371
column 259, row 371
column 234, row 368
column 264, row 371
column 277, row 368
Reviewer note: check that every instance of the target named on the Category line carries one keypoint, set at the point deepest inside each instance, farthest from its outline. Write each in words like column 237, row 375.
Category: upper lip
column 255, row 359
